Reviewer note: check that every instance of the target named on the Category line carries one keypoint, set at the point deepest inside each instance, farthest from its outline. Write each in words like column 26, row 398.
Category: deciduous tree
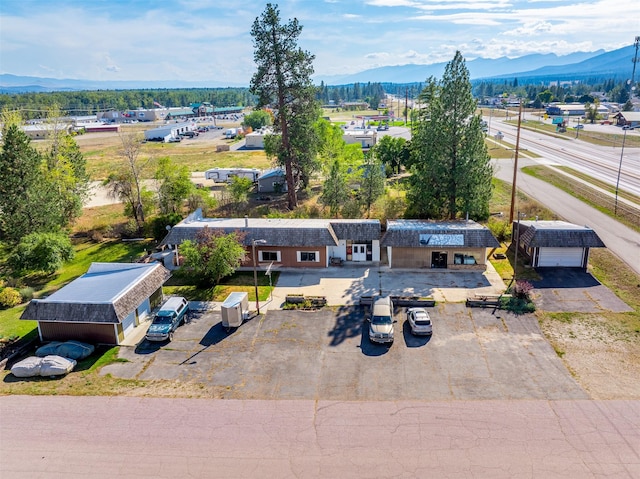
column 213, row 255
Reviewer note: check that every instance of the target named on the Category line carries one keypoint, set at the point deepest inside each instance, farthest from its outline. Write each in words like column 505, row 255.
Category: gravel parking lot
column 326, row 354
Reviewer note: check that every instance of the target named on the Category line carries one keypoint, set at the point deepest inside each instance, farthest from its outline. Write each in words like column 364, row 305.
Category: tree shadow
column 349, row 324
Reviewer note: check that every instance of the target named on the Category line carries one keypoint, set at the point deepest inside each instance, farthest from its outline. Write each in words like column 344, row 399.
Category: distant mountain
column 616, row 63
column 534, row 67
column 20, row 84
column 478, row 68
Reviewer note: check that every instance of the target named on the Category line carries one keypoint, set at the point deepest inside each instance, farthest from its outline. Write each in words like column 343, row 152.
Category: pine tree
column 451, row 170
column 283, row 79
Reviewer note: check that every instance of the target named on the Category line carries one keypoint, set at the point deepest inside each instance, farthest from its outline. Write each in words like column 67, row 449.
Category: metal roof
column 558, row 234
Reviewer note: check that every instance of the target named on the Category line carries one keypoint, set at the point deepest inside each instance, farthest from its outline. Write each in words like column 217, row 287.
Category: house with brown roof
column 555, row 243
column 290, row 242
column 454, row 245
column 104, row 305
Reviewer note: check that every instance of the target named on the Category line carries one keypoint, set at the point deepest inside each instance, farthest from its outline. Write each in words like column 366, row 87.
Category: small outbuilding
column 555, row 243
column 272, row 181
column 104, row 305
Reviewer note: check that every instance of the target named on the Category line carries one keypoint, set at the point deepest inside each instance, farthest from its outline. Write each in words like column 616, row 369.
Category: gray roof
column 279, row 231
column 106, row 293
column 432, row 234
column 558, row 234
column 356, row 230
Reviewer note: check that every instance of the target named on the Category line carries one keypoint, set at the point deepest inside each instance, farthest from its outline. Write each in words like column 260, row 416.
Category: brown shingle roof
column 558, row 234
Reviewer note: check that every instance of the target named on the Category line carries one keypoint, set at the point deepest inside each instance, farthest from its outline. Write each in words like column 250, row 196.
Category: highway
column 600, row 162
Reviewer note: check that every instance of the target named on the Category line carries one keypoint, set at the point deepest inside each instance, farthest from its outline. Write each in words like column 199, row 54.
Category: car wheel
column 171, row 336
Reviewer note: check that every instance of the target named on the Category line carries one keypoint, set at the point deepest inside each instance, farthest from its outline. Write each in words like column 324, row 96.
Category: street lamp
column 615, row 208
column 254, row 242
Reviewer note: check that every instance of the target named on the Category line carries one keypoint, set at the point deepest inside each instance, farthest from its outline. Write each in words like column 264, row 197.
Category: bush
column 522, row 290
column 44, row 252
column 10, row 297
column 500, row 229
column 130, row 229
column 26, row 294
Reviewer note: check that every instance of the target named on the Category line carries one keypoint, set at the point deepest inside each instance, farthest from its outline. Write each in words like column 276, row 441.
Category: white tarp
column 48, row 366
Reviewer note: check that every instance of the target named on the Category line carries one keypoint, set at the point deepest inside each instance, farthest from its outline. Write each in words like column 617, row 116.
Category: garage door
column 567, row 257
column 129, row 323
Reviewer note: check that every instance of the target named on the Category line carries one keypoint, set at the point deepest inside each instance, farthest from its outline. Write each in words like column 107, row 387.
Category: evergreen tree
column 451, row 170
column 29, row 201
column 283, row 79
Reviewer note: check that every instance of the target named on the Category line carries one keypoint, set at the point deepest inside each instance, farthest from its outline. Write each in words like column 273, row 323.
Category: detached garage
column 553, row 244
column 104, row 305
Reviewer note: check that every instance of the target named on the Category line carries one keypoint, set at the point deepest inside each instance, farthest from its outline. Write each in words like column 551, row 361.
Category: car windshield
column 162, row 319
column 381, row 320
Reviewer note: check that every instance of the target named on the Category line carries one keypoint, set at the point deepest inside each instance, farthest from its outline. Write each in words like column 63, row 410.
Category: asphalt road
column 621, row 240
column 68, row 437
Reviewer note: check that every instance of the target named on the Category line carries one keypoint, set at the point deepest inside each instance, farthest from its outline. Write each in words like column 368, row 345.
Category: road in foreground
column 64, row 437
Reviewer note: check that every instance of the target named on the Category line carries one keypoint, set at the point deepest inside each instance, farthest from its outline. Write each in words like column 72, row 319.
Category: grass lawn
column 182, row 284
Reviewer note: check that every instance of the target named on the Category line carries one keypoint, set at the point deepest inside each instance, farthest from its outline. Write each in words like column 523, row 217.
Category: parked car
column 171, row 314
column 381, row 321
column 419, row 321
column 627, row 127
column 174, row 139
column 579, row 127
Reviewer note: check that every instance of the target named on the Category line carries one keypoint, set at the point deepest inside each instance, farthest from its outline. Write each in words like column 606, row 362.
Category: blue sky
column 208, row 40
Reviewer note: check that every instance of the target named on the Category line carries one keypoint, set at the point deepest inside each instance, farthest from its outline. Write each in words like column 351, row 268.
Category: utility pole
column 635, row 61
column 406, row 104
column 515, row 165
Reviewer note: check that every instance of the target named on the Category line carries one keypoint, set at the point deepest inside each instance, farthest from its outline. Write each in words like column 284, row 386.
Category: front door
column 438, row 260
column 359, row 252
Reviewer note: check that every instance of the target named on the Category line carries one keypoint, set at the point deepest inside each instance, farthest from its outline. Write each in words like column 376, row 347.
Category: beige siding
column 421, row 257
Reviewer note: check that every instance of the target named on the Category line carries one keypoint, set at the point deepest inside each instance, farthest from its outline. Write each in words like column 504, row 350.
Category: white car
column 419, row 321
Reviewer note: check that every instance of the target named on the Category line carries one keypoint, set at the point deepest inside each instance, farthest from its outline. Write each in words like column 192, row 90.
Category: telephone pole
column 632, row 86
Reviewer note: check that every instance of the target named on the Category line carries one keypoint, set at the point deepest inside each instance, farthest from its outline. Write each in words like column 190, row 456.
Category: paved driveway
column 327, row 355
column 574, row 290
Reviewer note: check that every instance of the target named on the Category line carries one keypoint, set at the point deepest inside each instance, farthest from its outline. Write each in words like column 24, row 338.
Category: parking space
column 326, row 354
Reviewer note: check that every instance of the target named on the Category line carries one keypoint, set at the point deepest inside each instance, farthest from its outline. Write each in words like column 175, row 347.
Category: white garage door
column 567, row 257
column 129, row 323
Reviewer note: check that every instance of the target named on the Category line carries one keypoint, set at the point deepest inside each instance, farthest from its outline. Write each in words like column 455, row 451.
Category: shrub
column 10, row 297
column 500, row 229
column 130, row 229
column 26, row 294
column 44, row 252
column 522, row 290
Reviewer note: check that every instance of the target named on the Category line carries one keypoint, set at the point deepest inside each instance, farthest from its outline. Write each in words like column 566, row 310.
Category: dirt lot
column 604, row 361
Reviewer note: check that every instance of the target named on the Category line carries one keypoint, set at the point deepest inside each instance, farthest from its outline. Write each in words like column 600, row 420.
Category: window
column 269, row 256
column 460, row 258
column 309, row 256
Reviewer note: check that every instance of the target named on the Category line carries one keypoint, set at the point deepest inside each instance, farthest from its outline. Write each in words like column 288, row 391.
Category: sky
column 209, row 40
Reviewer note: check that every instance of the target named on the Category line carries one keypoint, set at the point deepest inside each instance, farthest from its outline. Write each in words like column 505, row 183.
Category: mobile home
column 225, row 175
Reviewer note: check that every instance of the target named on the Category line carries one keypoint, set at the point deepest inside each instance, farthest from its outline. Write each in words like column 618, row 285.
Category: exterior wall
column 289, row 256
column 254, row 140
column 421, row 257
column 267, row 185
column 89, row 333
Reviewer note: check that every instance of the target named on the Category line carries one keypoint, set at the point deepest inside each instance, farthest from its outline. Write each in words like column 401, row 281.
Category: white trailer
column 225, row 175
column 235, row 310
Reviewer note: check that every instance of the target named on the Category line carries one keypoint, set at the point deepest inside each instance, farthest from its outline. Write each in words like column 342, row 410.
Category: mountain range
column 529, row 68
